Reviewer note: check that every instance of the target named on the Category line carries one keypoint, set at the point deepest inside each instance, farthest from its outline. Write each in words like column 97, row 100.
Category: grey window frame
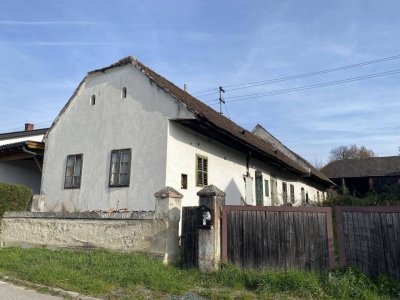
column 284, row 192
column 118, row 184
column 291, row 189
column 73, row 184
column 203, row 181
column 266, row 187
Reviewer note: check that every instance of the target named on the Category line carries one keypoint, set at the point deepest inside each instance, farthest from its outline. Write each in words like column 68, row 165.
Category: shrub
column 14, row 197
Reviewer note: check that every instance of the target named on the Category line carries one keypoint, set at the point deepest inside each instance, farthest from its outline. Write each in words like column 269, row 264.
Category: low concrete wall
column 154, row 232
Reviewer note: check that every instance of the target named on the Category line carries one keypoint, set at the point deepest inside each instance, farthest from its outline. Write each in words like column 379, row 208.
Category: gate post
column 209, row 239
column 168, row 209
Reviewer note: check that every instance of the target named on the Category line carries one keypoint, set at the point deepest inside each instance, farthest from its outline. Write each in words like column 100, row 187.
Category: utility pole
column 221, row 91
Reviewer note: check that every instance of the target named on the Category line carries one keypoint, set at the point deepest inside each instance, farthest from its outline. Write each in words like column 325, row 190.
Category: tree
column 350, row 152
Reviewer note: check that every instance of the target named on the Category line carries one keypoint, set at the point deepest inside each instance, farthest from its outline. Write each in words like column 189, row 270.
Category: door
column 259, row 188
column 274, row 191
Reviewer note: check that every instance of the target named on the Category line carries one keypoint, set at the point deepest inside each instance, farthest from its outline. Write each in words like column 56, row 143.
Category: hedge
column 14, row 197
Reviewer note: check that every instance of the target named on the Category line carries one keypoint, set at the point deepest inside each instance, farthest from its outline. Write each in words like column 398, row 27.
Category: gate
column 189, row 237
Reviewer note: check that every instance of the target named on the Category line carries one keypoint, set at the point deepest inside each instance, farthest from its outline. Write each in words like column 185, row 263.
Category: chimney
column 28, row 126
column 185, row 87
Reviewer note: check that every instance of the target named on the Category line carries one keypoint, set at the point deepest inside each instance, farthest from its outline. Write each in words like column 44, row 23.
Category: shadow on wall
column 233, row 193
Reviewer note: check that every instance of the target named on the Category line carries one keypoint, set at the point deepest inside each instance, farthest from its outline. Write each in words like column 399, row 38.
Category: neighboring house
column 363, row 175
column 21, row 157
column 127, row 132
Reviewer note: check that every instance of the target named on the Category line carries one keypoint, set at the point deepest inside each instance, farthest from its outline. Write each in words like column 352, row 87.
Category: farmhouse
column 21, row 157
column 127, row 132
column 361, row 176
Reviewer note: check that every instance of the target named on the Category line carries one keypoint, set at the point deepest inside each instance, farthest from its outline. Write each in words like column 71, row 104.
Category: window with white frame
column 201, row 170
column 120, row 168
column 73, row 172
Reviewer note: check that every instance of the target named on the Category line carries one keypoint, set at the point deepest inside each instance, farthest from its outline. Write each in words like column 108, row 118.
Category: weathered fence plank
column 278, row 237
column 189, row 238
column 369, row 239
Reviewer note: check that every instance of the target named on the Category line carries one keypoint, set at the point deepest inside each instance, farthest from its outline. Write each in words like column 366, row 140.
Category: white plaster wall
column 24, row 172
column 139, row 122
column 35, row 138
column 226, row 168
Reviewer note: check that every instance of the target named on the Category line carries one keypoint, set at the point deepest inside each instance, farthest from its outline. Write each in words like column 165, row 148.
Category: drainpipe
column 34, row 154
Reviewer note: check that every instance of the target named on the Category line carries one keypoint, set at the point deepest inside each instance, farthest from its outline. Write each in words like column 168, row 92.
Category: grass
column 132, row 276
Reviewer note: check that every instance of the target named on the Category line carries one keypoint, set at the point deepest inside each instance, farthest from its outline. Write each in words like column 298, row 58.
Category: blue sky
column 46, row 48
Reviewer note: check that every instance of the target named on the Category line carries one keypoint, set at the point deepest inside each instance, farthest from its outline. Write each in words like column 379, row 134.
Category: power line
column 257, row 83
column 20, row 128
column 295, row 89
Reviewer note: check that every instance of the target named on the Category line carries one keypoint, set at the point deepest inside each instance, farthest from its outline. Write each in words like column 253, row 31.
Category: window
column 120, row 167
column 93, row 100
column 284, row 192
column 123, row 94
column 266, row 186
column 73, row 171
column 184, row 181
column 201, row 170
column 292, row 193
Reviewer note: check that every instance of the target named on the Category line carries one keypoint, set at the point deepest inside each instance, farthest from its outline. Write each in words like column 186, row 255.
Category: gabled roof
column 208, row 117
column 365, row 167
column 267, row 136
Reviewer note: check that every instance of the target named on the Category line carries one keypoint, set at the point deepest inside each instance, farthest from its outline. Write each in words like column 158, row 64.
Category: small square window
column 120, row 168
column 73, row 172
column 201, row 170
column 93, row 100
column 184, row 181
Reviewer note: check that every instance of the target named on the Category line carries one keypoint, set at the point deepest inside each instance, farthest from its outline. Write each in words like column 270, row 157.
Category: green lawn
column 113, row 275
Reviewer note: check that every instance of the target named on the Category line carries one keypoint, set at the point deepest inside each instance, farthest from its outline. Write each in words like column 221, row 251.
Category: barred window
column 284, row 192
column 292, row 193
column 73, row 172
column 120, row 167
column 202, row 170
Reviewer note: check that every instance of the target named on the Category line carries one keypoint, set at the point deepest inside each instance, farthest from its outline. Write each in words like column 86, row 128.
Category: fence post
column 209, row 240
column 168, row 208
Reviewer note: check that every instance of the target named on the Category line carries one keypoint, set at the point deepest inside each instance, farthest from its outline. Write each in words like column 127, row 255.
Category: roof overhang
column 21, row 150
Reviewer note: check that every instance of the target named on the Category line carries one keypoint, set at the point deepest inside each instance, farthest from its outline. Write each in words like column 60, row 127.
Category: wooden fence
column 369, row 239
column 189, row 237
column 278, row 237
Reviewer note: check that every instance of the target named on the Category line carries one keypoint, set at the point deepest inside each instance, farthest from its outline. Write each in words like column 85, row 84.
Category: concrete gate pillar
column 168, row 209
column 209, row 239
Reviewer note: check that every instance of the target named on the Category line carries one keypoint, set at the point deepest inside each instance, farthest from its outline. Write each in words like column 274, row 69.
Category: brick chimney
column 28, row 126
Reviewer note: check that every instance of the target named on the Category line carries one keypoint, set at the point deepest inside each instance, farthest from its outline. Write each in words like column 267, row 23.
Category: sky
column 47, row 47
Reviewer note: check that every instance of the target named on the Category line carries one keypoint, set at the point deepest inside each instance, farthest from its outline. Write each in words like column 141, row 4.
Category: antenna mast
column 221, row 91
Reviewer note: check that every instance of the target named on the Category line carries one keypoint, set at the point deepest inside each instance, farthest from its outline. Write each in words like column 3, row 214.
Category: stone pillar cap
column 211, row 190
column 168, row 192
